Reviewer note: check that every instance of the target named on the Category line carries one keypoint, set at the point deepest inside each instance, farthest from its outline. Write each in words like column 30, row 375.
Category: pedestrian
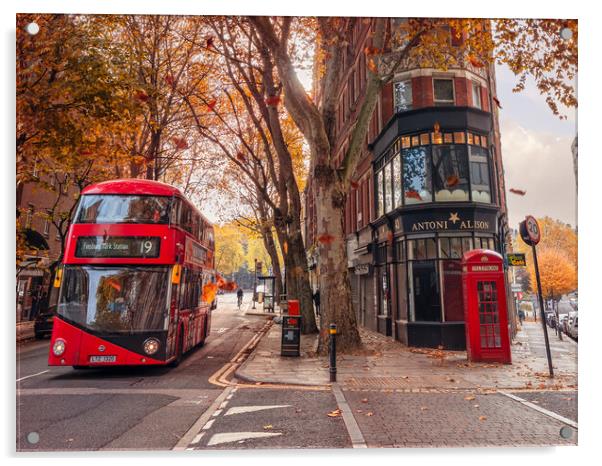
column 316, row 299
column 521, row 316
column 239, row 295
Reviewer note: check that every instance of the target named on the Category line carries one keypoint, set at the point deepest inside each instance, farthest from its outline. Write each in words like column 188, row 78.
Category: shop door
column 427, row 300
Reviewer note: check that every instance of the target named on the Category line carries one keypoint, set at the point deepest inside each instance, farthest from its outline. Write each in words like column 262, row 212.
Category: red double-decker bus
column 137, row 259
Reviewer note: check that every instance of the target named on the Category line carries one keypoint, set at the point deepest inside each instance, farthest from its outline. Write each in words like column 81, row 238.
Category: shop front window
column 416, row 176
column 479, row 174
column 380, row 200
column 397, row 180
column 387, row 189
column 450, row 173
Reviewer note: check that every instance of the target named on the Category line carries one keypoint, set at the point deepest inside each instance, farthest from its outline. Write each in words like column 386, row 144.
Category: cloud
column 540, row 163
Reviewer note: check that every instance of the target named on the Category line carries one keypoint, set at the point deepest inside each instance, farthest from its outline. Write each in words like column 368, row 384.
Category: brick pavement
column 386, row 364
column 458, row 419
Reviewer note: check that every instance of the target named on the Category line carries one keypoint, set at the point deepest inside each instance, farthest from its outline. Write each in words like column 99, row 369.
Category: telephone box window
column 488, row 314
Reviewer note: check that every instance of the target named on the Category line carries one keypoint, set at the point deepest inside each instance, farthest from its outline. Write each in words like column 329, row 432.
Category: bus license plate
column 103, row 358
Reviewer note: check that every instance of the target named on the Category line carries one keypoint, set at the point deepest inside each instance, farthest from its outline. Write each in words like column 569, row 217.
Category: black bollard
column 333, row 352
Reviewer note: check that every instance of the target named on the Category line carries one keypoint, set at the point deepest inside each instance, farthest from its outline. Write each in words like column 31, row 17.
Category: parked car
column 573, row 327
column 42, row 326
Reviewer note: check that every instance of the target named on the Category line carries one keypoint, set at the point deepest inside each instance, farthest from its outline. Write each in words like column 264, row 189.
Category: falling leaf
column 413, row 195
column 141, row 96
column 335, row 413
column 518, row 192
column 285, row 247
column 268, row 427
column 469, row 397
column 211, row 104
column 180, row 143
column 372, row 66
column 273, row 100
column 482, row 418
column 452, row 181
column 209, row 292
column 326, row 238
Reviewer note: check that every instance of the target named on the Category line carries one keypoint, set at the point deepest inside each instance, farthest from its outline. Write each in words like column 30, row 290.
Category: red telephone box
column 485, row 308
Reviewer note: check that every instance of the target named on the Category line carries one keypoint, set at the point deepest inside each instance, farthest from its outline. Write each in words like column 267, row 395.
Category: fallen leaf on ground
column 268, row 427
column 475, row 406
column 359, row 410
column 423, row 408
column 369, row 413
column 482, row 418
column 469, row 397
column 364, row 400
column 335, row 413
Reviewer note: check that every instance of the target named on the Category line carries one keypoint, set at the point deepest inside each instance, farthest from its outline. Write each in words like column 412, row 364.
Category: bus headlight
column 59, row 347
column 151, row 346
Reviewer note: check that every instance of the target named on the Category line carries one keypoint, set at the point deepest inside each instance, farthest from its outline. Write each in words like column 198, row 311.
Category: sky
column 536, row 152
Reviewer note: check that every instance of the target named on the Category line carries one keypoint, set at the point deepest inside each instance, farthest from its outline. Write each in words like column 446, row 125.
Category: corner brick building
column 429, row 187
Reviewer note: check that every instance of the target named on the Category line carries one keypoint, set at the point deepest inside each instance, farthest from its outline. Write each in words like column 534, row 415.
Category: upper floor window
column 402, row 95
column 436, row 167
column 443, row 91
column 476, row 95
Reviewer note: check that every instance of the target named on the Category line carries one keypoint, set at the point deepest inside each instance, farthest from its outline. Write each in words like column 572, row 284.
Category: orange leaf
column 180, row 143
column 413, row 194
column 141, row 96
column 452, row 180
column 209, row 292
column 369, row 413
column 273, row 100
column 475, row 62
column 211, row 104
column 372, row 66
column 482, row 418
column 285, row 247
column 469, row 397
column 519, row 192
column 335, row 413
column 326, row 238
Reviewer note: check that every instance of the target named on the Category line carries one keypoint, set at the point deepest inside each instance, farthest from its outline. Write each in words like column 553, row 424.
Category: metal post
column 332, row 330
column 255, row 284
column 542, row 312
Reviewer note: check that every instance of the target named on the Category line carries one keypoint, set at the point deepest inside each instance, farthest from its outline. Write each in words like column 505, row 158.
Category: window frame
column 476, row 92
column 443, row 103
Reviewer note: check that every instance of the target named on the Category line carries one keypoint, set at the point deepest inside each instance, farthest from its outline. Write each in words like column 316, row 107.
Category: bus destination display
column 118, row 246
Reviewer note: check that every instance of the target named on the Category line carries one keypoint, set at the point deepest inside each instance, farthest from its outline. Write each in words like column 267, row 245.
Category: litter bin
column 291, row 335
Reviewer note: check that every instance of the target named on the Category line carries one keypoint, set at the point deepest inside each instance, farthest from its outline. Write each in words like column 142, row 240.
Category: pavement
column 25, row 331
column 387, row 364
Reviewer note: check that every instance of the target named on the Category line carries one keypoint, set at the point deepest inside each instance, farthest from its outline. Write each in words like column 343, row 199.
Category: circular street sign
column 532, row 229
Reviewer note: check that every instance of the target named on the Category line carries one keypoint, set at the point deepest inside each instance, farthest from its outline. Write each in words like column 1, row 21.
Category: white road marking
column 223, row 405
column 237, row 436
column 222, row 329
column 551, row 414
column 355, row 434
column 197, row 439
column 251, row 409
column 32, row 375
column 217, row 413
column 209, row 424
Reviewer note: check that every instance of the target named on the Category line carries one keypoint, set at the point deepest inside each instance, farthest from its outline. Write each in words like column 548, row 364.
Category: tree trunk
column 270, row 246
column 335, row 289
column 297, row 277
